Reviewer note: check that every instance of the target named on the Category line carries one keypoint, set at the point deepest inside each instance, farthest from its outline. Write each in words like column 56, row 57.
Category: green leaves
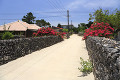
column 65, row 30
column 7, row 35
column 42, row 22
column 82, row 27
column 86, row 66
column 105, row 16
column 29, row 18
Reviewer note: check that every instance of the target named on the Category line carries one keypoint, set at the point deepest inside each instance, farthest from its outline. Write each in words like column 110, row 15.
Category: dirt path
column 57, row 62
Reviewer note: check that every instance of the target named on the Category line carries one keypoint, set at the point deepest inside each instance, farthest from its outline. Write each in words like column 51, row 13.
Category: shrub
column 75, row 30
column 7, row 35
column 99, row 29
column 82, row 27
column 86, row 66
column 65, row 30
column 47, row 32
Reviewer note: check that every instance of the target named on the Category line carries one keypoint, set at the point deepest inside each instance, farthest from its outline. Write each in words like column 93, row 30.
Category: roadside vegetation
column 86, row 66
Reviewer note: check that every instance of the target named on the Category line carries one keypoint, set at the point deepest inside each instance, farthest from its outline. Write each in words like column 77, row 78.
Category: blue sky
column 53, row 11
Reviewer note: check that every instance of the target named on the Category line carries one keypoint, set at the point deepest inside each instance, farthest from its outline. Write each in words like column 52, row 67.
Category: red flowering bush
column 47, row 32
column 99, row 29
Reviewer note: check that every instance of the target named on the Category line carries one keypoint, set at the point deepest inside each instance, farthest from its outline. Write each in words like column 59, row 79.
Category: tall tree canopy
column 29, row 18
column 42, row 22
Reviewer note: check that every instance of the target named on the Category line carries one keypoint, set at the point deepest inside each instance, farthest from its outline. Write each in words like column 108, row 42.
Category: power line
column 58, row 3
column 37, row 17
column 25, row 13
column 54, row 5
column 61, row 4
column 10, row 19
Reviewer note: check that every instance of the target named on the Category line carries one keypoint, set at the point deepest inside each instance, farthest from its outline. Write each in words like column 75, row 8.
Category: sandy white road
column 57, row 62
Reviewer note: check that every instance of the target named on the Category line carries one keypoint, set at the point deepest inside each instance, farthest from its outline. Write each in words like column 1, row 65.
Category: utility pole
column 71, row 24
column 68, row 18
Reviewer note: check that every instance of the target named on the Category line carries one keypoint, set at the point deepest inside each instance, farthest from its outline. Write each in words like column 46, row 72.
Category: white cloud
column 102, row 3
column 76, row 4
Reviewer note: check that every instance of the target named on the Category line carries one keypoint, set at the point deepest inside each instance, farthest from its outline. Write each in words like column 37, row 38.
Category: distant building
column 46, row 26
column 57, row 29
column 66, row 26
column 19, row 26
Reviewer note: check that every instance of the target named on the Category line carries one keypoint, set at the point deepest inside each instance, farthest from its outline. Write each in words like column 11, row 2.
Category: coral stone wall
column 15, row 48
column 105, row 56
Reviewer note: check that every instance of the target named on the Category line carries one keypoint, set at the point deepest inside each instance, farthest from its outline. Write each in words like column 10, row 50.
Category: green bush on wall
column 7, row 35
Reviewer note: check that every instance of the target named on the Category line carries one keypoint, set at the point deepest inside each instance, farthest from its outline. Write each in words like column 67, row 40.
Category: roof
column 66, row 25
column 56, row 28
column 34, row 26
column 18, row 26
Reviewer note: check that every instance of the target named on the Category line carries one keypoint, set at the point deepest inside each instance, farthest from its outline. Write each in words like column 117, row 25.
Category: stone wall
column 105, row 56
column 15, row 48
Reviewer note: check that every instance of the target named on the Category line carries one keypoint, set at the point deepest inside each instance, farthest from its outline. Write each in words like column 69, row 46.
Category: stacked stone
column 105, row 56
column 15, row 48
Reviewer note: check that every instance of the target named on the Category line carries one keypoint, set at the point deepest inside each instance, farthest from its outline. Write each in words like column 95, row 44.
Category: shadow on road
column 84, row 74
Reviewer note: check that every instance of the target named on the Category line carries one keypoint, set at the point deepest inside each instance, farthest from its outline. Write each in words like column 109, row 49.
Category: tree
column 105, row 16
column 83, row 24
column 82, row 27
column 42, row 22
column 29, row 18
column 111, row 18
column 89, row 24
column 75, row 30
column 59, row 25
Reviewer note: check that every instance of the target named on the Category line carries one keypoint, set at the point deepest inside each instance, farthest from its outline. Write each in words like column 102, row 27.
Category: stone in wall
column 105, row 56
column 15, row 48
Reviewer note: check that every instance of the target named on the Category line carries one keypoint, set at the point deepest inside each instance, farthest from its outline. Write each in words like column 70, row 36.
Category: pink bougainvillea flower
column 99, row 29
column 48, row 32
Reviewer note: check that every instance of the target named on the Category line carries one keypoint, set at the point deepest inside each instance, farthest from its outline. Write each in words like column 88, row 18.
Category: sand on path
column 57, row 62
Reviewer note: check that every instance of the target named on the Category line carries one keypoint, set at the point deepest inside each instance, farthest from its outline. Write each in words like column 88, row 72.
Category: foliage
column 1, row 34
column 89, row 24
column 59, row 25
column 99, row 29
column 21, row 33
column 29, row 18
column 71, row 30
column 42, row 22
column 75, row 30
column 82, row 27
column 65, row 30
column 7, row 35
column 105, row 16
column 47, row 32
column 86, row 66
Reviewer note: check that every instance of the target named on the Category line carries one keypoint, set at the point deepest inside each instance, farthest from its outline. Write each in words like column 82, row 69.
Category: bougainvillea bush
column 99, row 29
column 48, row 32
